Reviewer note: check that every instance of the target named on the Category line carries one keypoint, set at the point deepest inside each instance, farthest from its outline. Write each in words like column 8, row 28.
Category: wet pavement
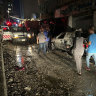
column 53, row 74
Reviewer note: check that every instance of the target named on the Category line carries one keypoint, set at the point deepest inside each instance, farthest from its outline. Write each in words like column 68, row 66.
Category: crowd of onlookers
column 43, row 39
column 81, row 46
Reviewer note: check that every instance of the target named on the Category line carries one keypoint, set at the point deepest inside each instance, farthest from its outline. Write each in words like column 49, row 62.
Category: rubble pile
column 43, row 76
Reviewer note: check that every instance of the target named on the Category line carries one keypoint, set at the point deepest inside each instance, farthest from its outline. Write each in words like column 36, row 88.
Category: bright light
column 4, row 29
column 9, row 23
column 16, row 25
column 18, row 20
column 15, row 36
column 29, row 35
column 8, row 11
column 20, row 25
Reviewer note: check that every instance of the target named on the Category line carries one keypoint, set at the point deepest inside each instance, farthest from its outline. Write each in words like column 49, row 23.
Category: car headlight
column 29, row 35
column 15, row 36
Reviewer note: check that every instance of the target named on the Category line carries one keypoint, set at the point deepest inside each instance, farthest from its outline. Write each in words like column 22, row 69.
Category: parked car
column 63, row 41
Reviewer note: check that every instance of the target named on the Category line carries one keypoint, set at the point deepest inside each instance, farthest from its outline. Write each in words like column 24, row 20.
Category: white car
column 63, row 41
column 19, row 35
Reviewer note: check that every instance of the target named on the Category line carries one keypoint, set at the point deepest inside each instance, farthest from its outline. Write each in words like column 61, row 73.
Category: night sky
column 1, row 1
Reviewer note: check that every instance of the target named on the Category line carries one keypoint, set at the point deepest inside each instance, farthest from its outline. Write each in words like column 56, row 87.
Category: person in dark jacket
column 46, row 33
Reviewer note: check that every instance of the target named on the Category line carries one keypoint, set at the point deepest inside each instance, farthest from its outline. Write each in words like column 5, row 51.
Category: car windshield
column 18, row 29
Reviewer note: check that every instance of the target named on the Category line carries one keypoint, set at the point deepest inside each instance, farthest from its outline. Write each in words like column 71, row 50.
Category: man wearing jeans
column 41, row 41
column 91, row 52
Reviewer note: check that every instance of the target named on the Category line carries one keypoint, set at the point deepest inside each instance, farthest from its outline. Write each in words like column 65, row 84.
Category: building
column 29, row 9
column 81, row 13
column 3, row 8
column 10, row 7
column 48, row 7
column 21, row 9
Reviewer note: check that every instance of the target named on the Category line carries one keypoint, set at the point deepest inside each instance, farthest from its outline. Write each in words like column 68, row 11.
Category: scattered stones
column 41, row 75
column 27, row 88
column 10, row 80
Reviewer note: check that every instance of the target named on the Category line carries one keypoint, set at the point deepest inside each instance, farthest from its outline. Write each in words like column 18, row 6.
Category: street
column 65, row 31
column 53, row 74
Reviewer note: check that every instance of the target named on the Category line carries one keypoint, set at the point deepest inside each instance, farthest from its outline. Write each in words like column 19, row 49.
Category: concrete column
column 70, row 21
column 94, row 19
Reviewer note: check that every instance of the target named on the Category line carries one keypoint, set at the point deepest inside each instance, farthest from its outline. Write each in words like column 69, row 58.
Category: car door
column 60, row 41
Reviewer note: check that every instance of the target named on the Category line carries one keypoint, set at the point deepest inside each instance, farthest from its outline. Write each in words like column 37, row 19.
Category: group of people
column 90, row 50
column 78, row 50
column 43, row 40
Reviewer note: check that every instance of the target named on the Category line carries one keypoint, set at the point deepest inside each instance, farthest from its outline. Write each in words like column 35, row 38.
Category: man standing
column 92, row 48
column 41, row 41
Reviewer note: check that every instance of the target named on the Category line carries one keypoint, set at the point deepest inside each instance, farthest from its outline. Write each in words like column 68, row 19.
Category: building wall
column 30, row 7
column 49, row 6
column 83, row 22
column 94, row 20
column 10, row 7
column 3, row 8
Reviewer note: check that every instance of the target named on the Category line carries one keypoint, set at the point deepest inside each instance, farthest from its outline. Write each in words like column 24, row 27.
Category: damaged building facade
column 81, row 13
